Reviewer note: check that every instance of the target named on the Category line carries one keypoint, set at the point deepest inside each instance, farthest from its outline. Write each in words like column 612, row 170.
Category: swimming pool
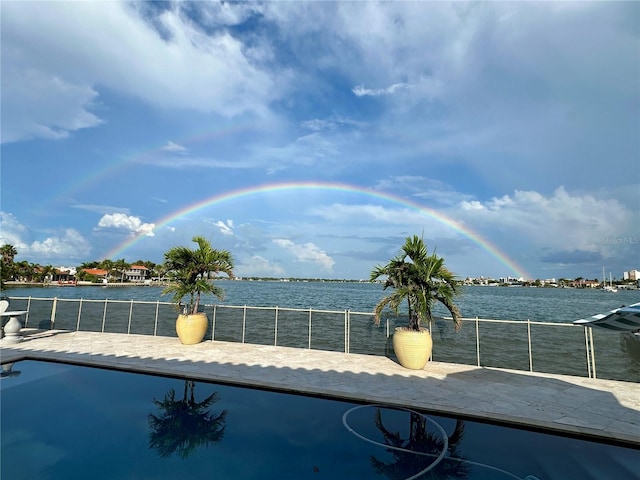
column 63, row 421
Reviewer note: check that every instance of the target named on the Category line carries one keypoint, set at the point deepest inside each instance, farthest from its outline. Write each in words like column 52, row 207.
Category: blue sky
column 507, row 134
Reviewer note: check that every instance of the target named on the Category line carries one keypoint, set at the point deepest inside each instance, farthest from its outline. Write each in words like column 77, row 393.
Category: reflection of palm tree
column 405, row 463
column 185, row 424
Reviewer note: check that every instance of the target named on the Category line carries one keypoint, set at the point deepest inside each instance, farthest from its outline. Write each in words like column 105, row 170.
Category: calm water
column 554, row 349
column 84, row 422
column 507, row 303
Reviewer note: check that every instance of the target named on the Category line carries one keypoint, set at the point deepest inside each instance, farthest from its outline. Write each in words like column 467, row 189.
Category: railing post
column 244, row 321
column 155, row 324
column 213, row 323
column 477, row 342
column 52, row 321
column 348, row 331
column 130, row 314
column 79, row 313
column 310, row 329
column 431, row 333
column 275, row 334
column 346, row 350
column 26, row 318
column 104, row 314
column 586, row 349
column 529, row 341
column 593, row 353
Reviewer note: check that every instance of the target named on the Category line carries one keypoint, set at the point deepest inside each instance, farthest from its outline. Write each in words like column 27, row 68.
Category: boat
column 608, row 288
column 67, row 283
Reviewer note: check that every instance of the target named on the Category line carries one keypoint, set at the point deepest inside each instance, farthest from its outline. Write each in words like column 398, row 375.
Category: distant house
column 136, row 273
column 63, row 275
column 97, row 272
column 586, row 284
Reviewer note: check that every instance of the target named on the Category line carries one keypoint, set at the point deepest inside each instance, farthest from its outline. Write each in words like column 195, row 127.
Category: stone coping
column 602, row 410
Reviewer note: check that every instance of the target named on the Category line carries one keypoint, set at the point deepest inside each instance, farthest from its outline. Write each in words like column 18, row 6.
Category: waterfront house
column 98, row 273
column 136, row 273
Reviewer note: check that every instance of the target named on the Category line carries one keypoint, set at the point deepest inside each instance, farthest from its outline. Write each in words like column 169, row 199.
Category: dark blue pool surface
column 61, row 422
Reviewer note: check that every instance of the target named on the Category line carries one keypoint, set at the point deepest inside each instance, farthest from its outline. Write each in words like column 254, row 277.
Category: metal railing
column 534, row 346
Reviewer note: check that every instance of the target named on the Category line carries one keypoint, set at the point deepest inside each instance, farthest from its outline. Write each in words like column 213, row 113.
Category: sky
column 311, row 138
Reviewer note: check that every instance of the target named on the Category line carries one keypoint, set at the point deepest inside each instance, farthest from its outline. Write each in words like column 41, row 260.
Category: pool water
column 62, row 421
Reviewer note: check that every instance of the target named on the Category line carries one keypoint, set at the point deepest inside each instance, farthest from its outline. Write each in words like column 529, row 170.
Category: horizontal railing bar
column 91, row 300
column 250, row 331
column 305, row 310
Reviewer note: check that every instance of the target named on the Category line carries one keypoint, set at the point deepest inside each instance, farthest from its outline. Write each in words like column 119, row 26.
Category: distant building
column 136, row 273
column 585, row 284
column 631, row 275
column 97, row 272
column 63, row 274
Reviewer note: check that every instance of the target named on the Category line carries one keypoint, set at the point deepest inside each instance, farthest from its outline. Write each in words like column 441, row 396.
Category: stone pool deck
column 605, row 410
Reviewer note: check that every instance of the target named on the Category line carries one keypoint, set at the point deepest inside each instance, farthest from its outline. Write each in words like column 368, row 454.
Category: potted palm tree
column 420, row 279
column 190, row 271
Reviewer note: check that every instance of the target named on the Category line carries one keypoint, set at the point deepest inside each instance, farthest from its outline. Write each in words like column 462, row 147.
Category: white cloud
column 361, row 91
column 307, row 253
column 561, row 220
column 174, row 148
column 258, row 266
column 50, row 85
column 225, row 228
column 364, row 216
column 129, row 223
column 100, row 208
column 71, row 245
column 36, row 104
column 472, row 205
column 12, row 231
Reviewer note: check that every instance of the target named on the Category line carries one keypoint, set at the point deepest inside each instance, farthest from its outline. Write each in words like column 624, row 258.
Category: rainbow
column 120, row 163
column 280, row 187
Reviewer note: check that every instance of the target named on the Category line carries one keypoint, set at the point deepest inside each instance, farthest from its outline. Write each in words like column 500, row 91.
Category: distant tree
column 7, row 267
column 45, row 273
column 8, row 253
column 88, row 265
column 119, row 267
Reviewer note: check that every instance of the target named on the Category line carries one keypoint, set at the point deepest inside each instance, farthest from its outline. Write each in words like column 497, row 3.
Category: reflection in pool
column 62, row 421
column 185, row 424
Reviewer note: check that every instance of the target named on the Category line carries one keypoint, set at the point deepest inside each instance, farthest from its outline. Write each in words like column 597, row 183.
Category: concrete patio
column 604, row 410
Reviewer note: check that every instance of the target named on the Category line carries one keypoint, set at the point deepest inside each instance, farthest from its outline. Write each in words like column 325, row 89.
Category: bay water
column 504, row 345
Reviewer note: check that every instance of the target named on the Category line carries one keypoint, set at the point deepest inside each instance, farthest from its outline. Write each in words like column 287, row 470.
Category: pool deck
column 605, row 410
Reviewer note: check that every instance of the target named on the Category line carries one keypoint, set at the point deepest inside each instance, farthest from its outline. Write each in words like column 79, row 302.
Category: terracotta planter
column 412, row 348
column 192, row 328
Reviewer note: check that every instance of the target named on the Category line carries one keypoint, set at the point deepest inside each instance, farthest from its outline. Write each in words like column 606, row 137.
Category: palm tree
column 7, row 267
column 185, row 424
column 46, row 273
column 120, row 267
column 419, row 278
column 8, row 253
column 191, row 269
